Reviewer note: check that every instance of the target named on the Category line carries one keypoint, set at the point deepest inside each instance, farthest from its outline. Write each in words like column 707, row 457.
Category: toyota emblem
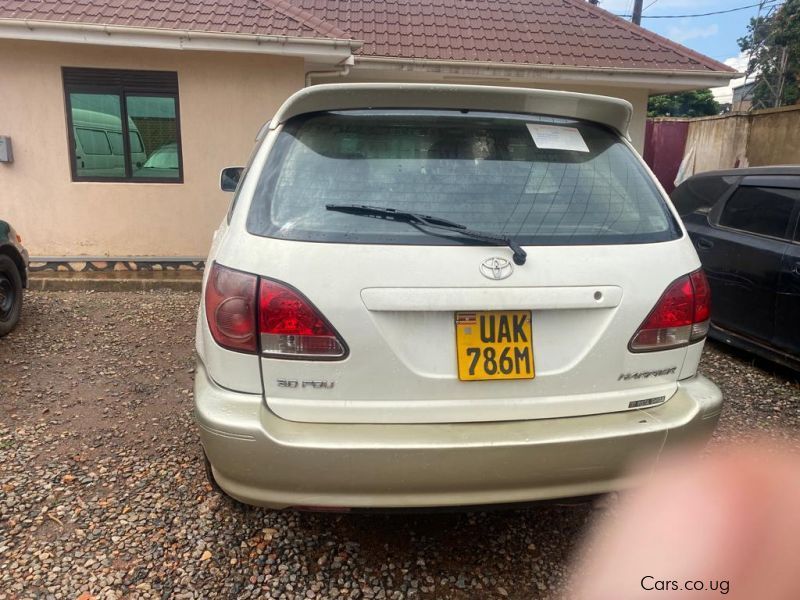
column 496, row 268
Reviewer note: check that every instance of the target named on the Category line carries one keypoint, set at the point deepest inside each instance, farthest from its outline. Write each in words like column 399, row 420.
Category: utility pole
column 637, row 12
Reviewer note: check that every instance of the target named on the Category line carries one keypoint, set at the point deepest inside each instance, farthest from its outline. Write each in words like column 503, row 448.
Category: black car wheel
column 10, row 295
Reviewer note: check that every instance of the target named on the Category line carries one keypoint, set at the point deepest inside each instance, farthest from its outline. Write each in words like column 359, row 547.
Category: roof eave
column 655, row 80
column 319, row 50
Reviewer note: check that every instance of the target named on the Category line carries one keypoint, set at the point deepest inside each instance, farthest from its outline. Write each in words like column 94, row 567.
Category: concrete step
column 115, row 281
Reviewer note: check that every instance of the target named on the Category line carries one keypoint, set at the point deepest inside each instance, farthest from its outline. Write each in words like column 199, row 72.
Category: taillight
column 242, row 312
column 291, row 327
column 680, row 317
column 702, row 305
column 230, row 308
column 284, row 322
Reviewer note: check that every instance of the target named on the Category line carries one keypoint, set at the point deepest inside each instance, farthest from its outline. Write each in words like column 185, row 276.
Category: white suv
column 430, row 295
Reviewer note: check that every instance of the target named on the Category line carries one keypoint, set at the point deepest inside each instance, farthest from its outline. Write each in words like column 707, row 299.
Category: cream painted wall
column 224, row 99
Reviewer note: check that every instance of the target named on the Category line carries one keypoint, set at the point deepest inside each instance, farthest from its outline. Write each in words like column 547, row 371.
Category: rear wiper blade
column 393, row 214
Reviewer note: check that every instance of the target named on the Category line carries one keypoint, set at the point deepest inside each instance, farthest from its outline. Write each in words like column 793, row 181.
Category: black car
column 744, row 224
column 13, row 277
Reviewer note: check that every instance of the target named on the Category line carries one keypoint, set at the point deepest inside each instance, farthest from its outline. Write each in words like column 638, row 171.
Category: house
column 121, row 113
column 742, row 99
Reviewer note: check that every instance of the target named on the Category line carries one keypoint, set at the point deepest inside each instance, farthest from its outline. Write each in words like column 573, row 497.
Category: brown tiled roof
column 569, row 33
column 265, row 17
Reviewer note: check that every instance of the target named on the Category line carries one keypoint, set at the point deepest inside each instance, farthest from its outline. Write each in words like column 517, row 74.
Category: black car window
column 700, row 193
column 764, row 211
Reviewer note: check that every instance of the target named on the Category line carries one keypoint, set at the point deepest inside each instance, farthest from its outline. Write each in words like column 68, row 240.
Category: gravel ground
column 102, row 491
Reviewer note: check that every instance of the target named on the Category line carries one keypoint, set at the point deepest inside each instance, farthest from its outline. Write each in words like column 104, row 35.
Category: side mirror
column 229, row 178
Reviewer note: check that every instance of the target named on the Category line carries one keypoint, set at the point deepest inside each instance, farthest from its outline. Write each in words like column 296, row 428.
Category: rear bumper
column 261, row 459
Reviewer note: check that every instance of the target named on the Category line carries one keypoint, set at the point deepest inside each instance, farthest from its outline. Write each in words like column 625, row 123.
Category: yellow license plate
column 494, row 345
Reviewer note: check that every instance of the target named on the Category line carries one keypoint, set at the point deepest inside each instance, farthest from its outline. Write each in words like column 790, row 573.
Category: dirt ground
column 102, row 490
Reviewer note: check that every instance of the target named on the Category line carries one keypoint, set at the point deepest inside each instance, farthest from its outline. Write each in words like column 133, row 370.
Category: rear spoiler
column 612, row 112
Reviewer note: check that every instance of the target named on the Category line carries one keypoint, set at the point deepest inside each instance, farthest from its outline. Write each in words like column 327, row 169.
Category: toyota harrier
column 435, row 295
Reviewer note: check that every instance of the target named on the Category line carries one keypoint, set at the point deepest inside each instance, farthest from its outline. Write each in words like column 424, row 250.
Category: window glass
column 116, row 142
column 764, row 211
column 700, row 193
column 96, row 119
column 156, row 155
column 483, row 170
column 124, row 124
column 94, row 141
column 136, row 142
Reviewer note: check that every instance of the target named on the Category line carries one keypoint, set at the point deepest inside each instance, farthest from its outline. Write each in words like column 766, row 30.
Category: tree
column 773, row 43
column 696, row 103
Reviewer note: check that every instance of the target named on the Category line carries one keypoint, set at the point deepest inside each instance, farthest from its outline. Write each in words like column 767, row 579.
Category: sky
column 715, row 36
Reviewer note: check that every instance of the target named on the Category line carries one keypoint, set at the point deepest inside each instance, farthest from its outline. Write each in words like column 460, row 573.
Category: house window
column 123, row 125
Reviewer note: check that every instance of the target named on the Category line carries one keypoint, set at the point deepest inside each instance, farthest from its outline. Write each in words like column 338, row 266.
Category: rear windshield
column 541, row 180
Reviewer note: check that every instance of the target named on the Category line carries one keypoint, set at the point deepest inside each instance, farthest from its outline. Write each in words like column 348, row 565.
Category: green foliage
column 696, row 103
column 773, row 42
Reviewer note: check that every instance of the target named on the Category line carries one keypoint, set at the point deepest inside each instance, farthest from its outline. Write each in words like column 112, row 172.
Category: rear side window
column 763, row 211
column 700, row 193
column 577, row 183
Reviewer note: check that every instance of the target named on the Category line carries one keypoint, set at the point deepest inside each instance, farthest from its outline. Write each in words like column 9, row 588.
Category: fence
column 758, row 138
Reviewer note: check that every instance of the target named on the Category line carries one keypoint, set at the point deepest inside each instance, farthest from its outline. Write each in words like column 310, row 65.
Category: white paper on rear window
column 551, row 137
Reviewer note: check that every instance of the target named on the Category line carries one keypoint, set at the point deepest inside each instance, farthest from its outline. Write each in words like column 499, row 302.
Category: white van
column 98, row 144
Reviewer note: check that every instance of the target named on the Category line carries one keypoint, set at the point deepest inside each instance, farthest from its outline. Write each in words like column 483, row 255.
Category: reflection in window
column 123, row 125
column 96, row 119
column 156, row 123
column 93, row 141
column 115, row 138
column 136, row 142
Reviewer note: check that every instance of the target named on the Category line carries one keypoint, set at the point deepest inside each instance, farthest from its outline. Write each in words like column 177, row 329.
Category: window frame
column 788, row 233
column 122, row 91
